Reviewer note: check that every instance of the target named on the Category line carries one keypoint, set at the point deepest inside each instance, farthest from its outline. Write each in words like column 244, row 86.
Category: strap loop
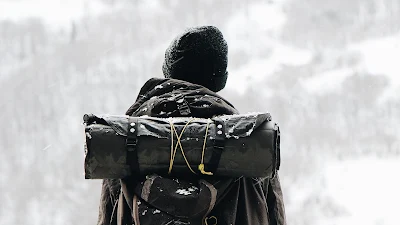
column 219, row 144
column 131, row 143
column 183, row 106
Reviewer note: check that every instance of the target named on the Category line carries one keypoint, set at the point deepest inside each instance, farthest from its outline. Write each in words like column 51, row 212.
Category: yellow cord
column 171, row 160
column 180, row 145
column 211, row 217
column 173, row 152
column 201, row 166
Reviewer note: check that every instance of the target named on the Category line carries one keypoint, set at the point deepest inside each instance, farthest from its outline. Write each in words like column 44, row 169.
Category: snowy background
column 328, row 71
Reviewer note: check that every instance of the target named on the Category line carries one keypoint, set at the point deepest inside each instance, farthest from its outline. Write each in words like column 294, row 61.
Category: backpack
column 180, row 197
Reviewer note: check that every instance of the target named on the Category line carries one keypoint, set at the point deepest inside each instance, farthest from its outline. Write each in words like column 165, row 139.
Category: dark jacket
column 240, row 201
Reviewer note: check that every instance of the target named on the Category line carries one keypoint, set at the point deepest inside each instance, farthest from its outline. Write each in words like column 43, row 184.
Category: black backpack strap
column 131, row 142
column 219, row 144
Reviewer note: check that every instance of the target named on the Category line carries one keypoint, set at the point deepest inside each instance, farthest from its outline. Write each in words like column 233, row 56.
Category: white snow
column 193, row 188
column 381, row 56
column 158, row 87
column 260, row 68
column 368, row 188
column 287, row 55
column 378, row 56
column 326, row 82
column 55, row 13
column 255, row 19
column 183, row 192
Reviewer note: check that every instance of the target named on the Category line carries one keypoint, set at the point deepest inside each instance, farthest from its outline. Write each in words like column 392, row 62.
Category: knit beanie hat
column 199, row 56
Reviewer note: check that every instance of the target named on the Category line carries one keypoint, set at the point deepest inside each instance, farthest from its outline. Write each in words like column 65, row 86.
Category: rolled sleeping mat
column 235, row 145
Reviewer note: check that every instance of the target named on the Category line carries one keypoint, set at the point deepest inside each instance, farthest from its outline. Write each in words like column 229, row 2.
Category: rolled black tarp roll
column 248, row 145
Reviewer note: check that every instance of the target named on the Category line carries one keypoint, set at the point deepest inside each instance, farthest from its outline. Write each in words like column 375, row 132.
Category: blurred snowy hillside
column 328, row 71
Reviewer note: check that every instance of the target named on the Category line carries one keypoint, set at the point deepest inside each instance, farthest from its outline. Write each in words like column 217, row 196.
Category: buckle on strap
column 182, row 106
column 131, row 143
